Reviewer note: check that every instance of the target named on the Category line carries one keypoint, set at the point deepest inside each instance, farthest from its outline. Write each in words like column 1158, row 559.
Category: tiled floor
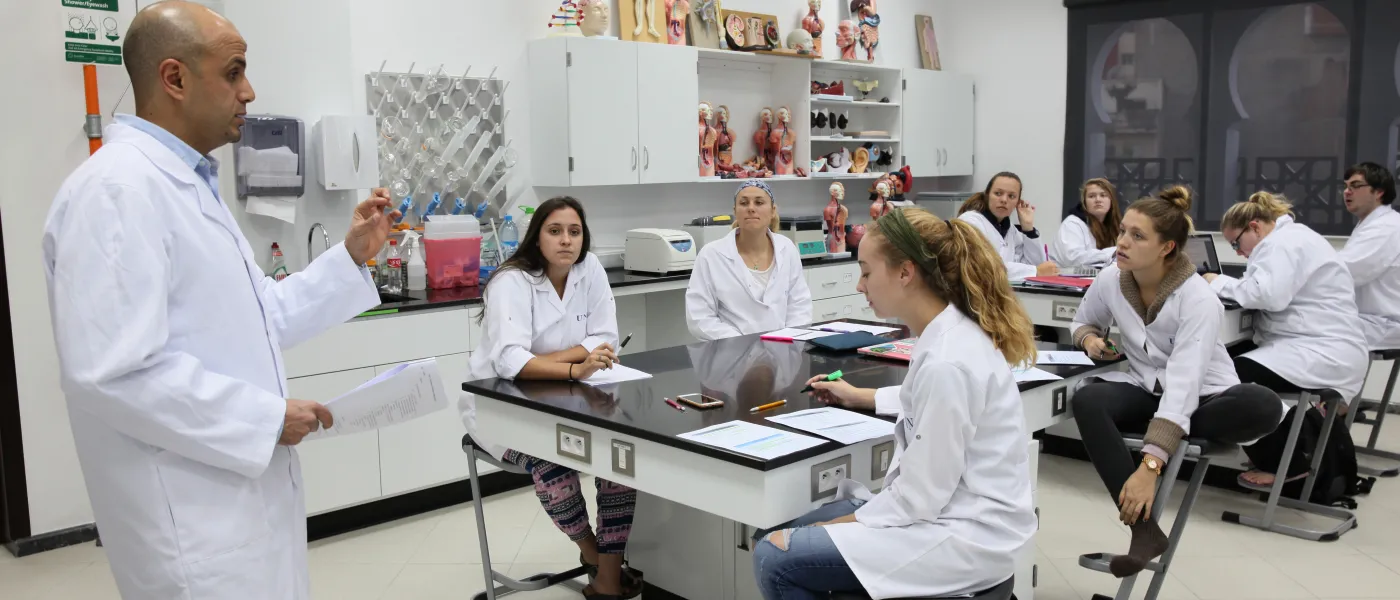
column 436, row 556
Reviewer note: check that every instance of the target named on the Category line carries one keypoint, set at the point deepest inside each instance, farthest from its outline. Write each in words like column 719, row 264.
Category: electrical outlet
column 826, row 475
column 881, row 455
column 574, row 443
column 1059, row 401
column 624, row 458
column 1064, row 311
column 1246, row 321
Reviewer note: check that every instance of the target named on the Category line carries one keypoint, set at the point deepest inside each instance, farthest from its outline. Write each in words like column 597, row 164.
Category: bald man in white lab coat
column 169, row 335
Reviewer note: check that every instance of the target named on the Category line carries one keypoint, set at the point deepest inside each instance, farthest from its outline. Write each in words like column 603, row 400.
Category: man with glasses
column 1373, row 252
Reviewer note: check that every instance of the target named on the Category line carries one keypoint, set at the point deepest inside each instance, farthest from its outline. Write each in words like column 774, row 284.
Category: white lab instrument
column 705, row 235
column 659, row 251
column 345, row 151
column 805, row 233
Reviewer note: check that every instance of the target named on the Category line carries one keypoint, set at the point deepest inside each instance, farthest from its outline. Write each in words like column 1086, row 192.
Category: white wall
column 309, row 57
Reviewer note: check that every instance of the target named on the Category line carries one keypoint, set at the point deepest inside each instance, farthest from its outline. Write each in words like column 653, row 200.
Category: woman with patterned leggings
column 550, row 316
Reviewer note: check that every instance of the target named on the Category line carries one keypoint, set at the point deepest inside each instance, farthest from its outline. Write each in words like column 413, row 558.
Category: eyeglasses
column 1235, row 244
column 1354, row 186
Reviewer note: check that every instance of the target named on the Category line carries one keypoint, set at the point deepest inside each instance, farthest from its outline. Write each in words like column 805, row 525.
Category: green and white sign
column 93, row 30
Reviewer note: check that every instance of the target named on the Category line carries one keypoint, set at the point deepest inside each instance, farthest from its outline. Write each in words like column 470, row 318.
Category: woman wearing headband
column 751, row 281
column 955, row 510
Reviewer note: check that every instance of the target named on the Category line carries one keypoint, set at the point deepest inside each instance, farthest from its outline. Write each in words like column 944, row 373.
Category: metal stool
column 1331, row 399
column 1192, row 449
column 1381, row 406
column 509, row 586
column 1002, row 591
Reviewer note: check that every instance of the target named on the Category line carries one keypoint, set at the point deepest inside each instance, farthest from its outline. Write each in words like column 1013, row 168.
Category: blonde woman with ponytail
column 956, row 510
column 1180, row 379
column 1308, row 333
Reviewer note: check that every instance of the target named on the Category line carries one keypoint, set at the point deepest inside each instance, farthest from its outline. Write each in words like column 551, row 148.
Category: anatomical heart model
column 708, row 140
column 835, row 216
column 677, row 16
column 724, row 142
column 864, row 11
column 643, row 20
column 785, row 141
column 814, row 25
column 846, row 39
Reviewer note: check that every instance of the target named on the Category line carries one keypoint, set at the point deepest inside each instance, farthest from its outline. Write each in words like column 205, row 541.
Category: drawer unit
column 833, row 281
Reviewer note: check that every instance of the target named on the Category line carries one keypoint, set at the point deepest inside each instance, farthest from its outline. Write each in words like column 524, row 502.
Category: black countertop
column 744, row 372
column 1230, row 270
column 414, row 300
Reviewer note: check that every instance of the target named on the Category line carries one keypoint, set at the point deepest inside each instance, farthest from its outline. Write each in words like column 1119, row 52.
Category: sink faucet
column 311, row 235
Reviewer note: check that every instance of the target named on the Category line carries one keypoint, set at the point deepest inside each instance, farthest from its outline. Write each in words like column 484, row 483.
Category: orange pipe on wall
column 94, row 112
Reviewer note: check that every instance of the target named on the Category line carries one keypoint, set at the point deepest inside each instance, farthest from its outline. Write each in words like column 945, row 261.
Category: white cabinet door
column 602, row 107
column 959, row 139
column 667, row 89
column 427, row 451
column 339, row 471
column 923, row 123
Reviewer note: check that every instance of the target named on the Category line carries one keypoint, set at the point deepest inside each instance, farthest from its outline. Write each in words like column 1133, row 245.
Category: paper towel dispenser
column 346, row 150
column 270, row 159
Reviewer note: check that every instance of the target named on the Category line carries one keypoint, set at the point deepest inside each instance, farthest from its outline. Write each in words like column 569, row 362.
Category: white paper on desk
column 845, row 327
column 847, row 427
column 1063, row 357
column 1030, row 374
column 799, row 334
column 617, row 374
column 754, row 440
column 403, row 393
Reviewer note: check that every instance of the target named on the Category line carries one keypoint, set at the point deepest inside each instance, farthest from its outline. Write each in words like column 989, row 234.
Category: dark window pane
column 1378, row 136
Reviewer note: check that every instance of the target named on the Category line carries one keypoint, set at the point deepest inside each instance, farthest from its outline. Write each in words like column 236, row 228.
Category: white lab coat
column 169, row 341
column 526, row 318
column 956, row 509
column 1181, row 350
column 1020, row 253
column 1307, row 328
column 724, row 300
column 1372, row 255
column 1075, row 246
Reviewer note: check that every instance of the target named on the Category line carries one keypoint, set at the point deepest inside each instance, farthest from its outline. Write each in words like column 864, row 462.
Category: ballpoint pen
column 674, row 405
column 624, row 342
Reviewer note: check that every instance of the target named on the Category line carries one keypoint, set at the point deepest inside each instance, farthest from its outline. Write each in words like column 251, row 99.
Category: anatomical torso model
column 724, row 142
column 708, row 139
column 879, row 205
column 869, row 26
column 783, row 142
column 677, row 12
column 835, row 217
column 814, row 25
column 760, row 137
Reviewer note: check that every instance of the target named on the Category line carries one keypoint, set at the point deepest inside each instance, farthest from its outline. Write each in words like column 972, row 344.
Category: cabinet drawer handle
column 830, row 314
column 646, row 154
column 829, row 284
column 634, row 158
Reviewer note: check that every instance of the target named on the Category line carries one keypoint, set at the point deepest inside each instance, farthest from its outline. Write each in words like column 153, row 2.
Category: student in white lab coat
column 550, row 315
column 1088, row 237
column 1180, row 379
column 751, row 281
column 955, row 510
column 1307, row 331
column 1372, row 253
column 170, row 336
column 1019, row 246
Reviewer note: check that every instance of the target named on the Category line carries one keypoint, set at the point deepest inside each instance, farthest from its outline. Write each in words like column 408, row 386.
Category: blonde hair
column 969, row 275
column 1170, row 213
column 1261, row 206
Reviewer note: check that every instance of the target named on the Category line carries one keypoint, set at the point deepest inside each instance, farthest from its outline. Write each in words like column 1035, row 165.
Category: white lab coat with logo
column 1075, row 246
column 1307, row 328
column 956, row 509
column 526, row 318
column 1021, row 254
column 170, row 346
column 724, row 300
column 1372, row 255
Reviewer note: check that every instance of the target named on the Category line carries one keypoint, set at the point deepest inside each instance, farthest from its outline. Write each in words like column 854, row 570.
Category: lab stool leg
column 1382, row 407
column 508, row 586
column 1100, row 561
column 1346, row 520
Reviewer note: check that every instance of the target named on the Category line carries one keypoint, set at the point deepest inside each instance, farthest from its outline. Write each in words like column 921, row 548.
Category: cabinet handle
column 942, row 157
column 829, row 284
column 830, row 314
column 634, row 158
column 646, row 157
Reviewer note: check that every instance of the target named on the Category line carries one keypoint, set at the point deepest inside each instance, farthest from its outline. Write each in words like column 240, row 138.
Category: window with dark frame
column 1230, row 97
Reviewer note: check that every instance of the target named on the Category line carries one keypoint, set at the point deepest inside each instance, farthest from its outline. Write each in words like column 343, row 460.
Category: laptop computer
column 1200, row 248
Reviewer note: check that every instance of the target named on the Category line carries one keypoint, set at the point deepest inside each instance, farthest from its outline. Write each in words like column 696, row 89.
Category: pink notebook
column 900, row 350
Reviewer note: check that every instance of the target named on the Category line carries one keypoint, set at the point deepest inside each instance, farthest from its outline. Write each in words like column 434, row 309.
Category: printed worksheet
column 847, row 427
column 754, row 440
column 1063, row 357
column 403, row 393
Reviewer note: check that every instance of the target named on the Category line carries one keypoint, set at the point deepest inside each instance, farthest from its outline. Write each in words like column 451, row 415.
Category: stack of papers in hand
column 754, row 440
column 400, row 394
column 839, row 424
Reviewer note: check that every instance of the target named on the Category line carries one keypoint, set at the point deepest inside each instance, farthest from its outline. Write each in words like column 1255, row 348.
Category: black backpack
column 1338, row 481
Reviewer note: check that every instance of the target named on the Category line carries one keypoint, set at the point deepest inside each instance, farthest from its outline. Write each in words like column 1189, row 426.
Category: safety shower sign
column 93, row 30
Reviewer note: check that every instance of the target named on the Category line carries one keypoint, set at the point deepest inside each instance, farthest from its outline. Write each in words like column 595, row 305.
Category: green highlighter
column 832, row 377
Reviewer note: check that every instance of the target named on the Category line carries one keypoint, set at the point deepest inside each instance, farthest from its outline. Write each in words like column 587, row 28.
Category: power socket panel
column 574, row 443
column 881, row 456
column 826, row 475
column 1059, row 401
column 1064, row 311
column 624, row 458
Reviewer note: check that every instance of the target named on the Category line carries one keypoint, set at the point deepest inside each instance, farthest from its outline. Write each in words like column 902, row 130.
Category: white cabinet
column 427, row 451
column 339, row 471
column 938, row 123
column 625, row 112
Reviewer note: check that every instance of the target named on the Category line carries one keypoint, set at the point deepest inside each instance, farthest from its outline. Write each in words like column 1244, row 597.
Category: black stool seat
column 1001, row 592
column 1391, row 354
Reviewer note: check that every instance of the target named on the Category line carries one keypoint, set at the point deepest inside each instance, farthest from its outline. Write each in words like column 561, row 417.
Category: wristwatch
column 1153, row 463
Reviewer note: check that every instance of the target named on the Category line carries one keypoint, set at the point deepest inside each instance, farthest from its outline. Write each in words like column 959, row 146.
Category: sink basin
column 387, row 298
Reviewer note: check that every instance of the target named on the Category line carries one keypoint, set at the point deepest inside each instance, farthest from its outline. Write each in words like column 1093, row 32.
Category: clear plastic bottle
column 279, row 263
column 393, row 279
column 375, row 272
column 510, row 239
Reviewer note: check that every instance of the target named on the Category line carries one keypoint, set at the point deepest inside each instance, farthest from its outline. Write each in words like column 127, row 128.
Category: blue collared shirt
column 206, row 167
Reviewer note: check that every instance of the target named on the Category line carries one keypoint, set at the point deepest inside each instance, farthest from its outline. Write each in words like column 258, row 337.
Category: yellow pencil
column 768, row 406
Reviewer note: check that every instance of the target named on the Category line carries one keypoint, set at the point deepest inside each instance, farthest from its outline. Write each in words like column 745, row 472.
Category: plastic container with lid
column 452, row 244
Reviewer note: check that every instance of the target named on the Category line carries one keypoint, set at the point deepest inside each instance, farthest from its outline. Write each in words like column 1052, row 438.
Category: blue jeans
column 811, row 567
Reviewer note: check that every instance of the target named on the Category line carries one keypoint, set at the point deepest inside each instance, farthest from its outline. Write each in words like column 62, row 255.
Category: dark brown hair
column 978, row 201
column 1170, row 216
column 1105, row 231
